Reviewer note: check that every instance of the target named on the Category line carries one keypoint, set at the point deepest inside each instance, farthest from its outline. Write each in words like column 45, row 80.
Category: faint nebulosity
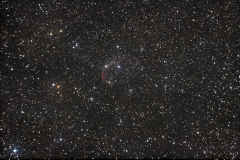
column 116, row 79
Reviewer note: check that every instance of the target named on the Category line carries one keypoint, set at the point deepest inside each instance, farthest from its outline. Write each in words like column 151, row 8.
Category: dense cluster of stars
column 182, row 103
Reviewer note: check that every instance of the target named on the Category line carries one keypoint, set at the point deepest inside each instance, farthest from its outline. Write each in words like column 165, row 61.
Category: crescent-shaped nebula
column 123, row 68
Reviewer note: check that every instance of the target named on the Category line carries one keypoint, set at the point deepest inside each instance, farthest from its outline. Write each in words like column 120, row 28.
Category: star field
column 178, row 97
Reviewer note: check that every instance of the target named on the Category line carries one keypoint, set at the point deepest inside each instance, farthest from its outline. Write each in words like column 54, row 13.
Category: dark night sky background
column 174, row 95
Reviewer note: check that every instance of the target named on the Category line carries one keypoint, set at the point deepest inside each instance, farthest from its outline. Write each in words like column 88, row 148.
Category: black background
column 185, row 103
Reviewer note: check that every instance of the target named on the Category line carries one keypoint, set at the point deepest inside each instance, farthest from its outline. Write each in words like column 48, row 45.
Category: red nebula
column 103, row 76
